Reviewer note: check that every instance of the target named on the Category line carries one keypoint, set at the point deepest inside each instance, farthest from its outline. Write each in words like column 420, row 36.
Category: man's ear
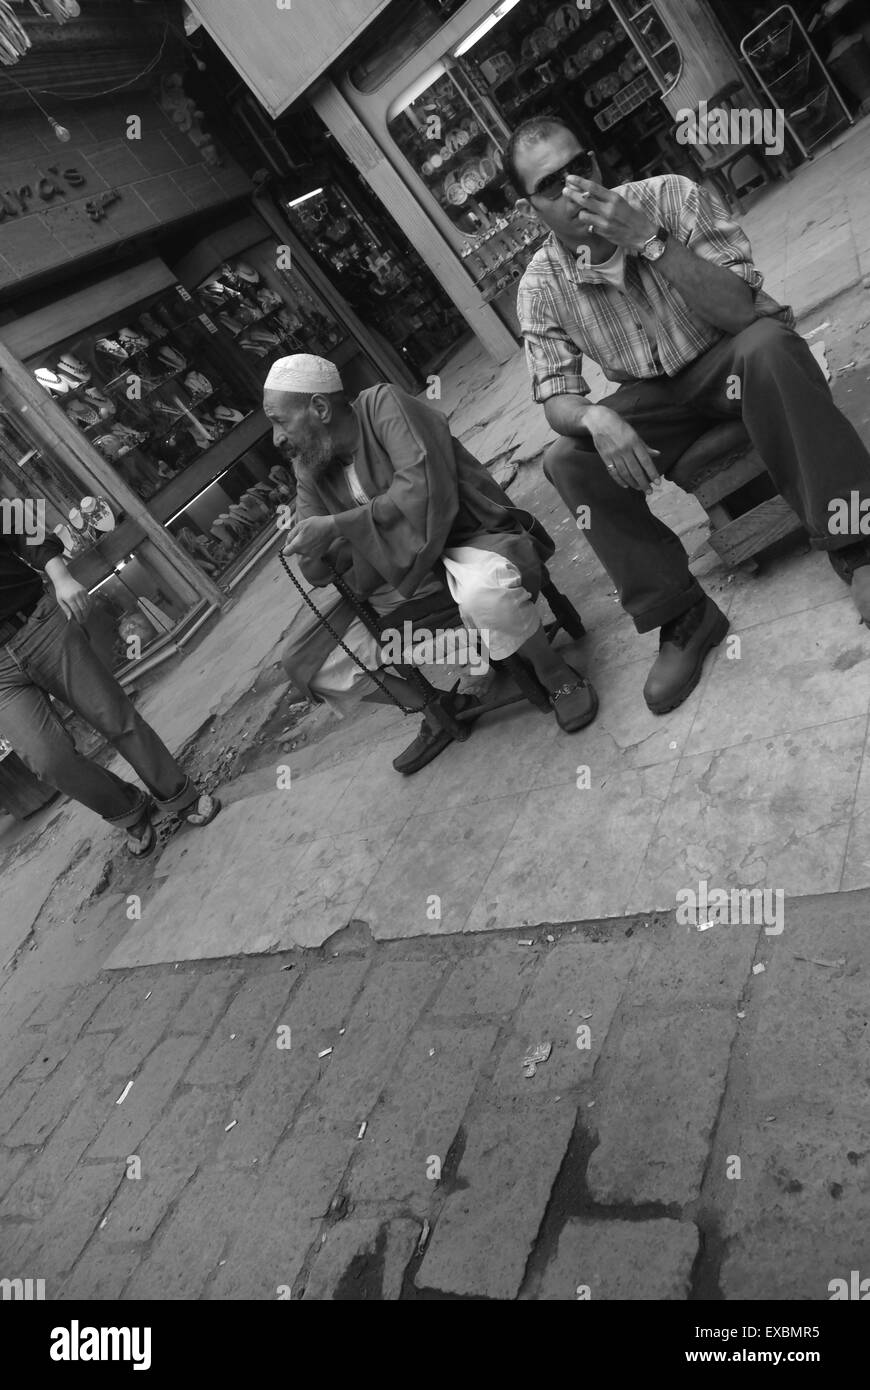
column 523, row 206
column 322, row 407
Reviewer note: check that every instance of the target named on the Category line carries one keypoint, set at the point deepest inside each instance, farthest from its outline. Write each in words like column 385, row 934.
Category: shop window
column 29, row 476
column 538, row 58
column 653, row 39
column 152, row 391
column 236, row 513
column 44, row 497
column 139, row 604
column 267, row 310
column 387, row 286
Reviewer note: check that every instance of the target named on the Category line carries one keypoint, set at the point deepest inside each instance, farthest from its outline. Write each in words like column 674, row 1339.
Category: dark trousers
column 809, row 448
column 52, row 656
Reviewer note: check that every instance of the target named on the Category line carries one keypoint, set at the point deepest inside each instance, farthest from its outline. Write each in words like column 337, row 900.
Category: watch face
column 654, row 249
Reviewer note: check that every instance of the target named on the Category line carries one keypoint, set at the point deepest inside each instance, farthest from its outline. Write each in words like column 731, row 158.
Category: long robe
column 429, row 493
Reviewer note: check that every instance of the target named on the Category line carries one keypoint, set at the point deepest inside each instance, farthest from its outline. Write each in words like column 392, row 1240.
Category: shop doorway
column 368, row 259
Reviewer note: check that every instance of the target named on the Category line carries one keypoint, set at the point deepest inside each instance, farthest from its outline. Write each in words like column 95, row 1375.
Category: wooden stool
column 717, row 469
column 441, row 613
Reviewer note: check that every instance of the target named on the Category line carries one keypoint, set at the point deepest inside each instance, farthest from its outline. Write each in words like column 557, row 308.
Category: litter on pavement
column 535, row 1056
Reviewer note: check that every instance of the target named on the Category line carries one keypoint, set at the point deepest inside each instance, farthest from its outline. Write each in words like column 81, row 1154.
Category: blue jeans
column 51, row 655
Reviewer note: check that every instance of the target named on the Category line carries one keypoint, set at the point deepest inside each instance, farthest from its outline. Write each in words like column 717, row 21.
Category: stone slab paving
column 357, row 1125
column 623, row 1260
column 524, row 824
column 519, row 825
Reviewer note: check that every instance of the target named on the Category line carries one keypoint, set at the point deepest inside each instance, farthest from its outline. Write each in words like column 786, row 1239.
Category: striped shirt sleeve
column 555, row 362
column 707, row 228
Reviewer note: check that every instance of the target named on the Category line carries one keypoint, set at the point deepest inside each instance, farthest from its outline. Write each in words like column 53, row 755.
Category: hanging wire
column 28, row 93
column 107, row 91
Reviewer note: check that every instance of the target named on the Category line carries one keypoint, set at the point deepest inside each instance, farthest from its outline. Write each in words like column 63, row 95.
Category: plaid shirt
column 566, row 310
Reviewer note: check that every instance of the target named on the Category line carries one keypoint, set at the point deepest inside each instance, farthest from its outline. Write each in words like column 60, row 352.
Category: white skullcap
column 304, row 373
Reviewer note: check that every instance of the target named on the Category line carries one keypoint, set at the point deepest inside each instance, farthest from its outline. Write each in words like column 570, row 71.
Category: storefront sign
column 49, row 184
column 56, row 207
column 96, row 207
column 42, row 187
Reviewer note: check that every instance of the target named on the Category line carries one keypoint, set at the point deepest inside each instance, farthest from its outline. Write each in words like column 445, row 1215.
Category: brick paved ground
column 237, row 1165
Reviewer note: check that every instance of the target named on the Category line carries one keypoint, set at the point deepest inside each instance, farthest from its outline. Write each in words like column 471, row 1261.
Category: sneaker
column 683, row 644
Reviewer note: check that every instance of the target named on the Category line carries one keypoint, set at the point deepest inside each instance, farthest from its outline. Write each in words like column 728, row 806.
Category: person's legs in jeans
column 647, row 563
column 42, row 743
column 55, row 656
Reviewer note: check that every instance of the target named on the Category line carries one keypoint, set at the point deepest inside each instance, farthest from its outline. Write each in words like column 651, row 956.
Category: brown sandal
column 203, row 810
column 139, row 846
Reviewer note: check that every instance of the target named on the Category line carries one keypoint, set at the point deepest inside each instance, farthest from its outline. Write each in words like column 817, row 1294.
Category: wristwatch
column 655, row 246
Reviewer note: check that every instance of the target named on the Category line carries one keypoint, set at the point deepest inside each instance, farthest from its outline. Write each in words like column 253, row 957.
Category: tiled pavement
column 761, row 778
column 358, row 1125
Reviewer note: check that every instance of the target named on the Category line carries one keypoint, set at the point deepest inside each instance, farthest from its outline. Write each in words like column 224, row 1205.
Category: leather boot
column 683, row 644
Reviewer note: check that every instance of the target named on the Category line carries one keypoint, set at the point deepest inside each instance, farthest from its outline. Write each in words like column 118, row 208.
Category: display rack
column 130, row 384
column 653, row 40
column 626, row 101
column 790, row 72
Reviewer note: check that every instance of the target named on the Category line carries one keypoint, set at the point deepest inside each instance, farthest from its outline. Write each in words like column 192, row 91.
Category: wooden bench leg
column 526, row 681
column 563, row 611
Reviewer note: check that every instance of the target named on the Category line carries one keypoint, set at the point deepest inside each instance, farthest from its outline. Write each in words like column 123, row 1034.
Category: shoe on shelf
column 683, row 644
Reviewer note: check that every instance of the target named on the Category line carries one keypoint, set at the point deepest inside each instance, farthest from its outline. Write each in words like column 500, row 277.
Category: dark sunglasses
column 551, row 187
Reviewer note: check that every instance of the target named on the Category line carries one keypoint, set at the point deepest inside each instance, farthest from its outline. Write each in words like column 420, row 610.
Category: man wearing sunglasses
column 655, row 282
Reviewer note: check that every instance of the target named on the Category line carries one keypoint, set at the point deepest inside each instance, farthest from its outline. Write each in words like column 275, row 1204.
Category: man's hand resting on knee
column 627, row 459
